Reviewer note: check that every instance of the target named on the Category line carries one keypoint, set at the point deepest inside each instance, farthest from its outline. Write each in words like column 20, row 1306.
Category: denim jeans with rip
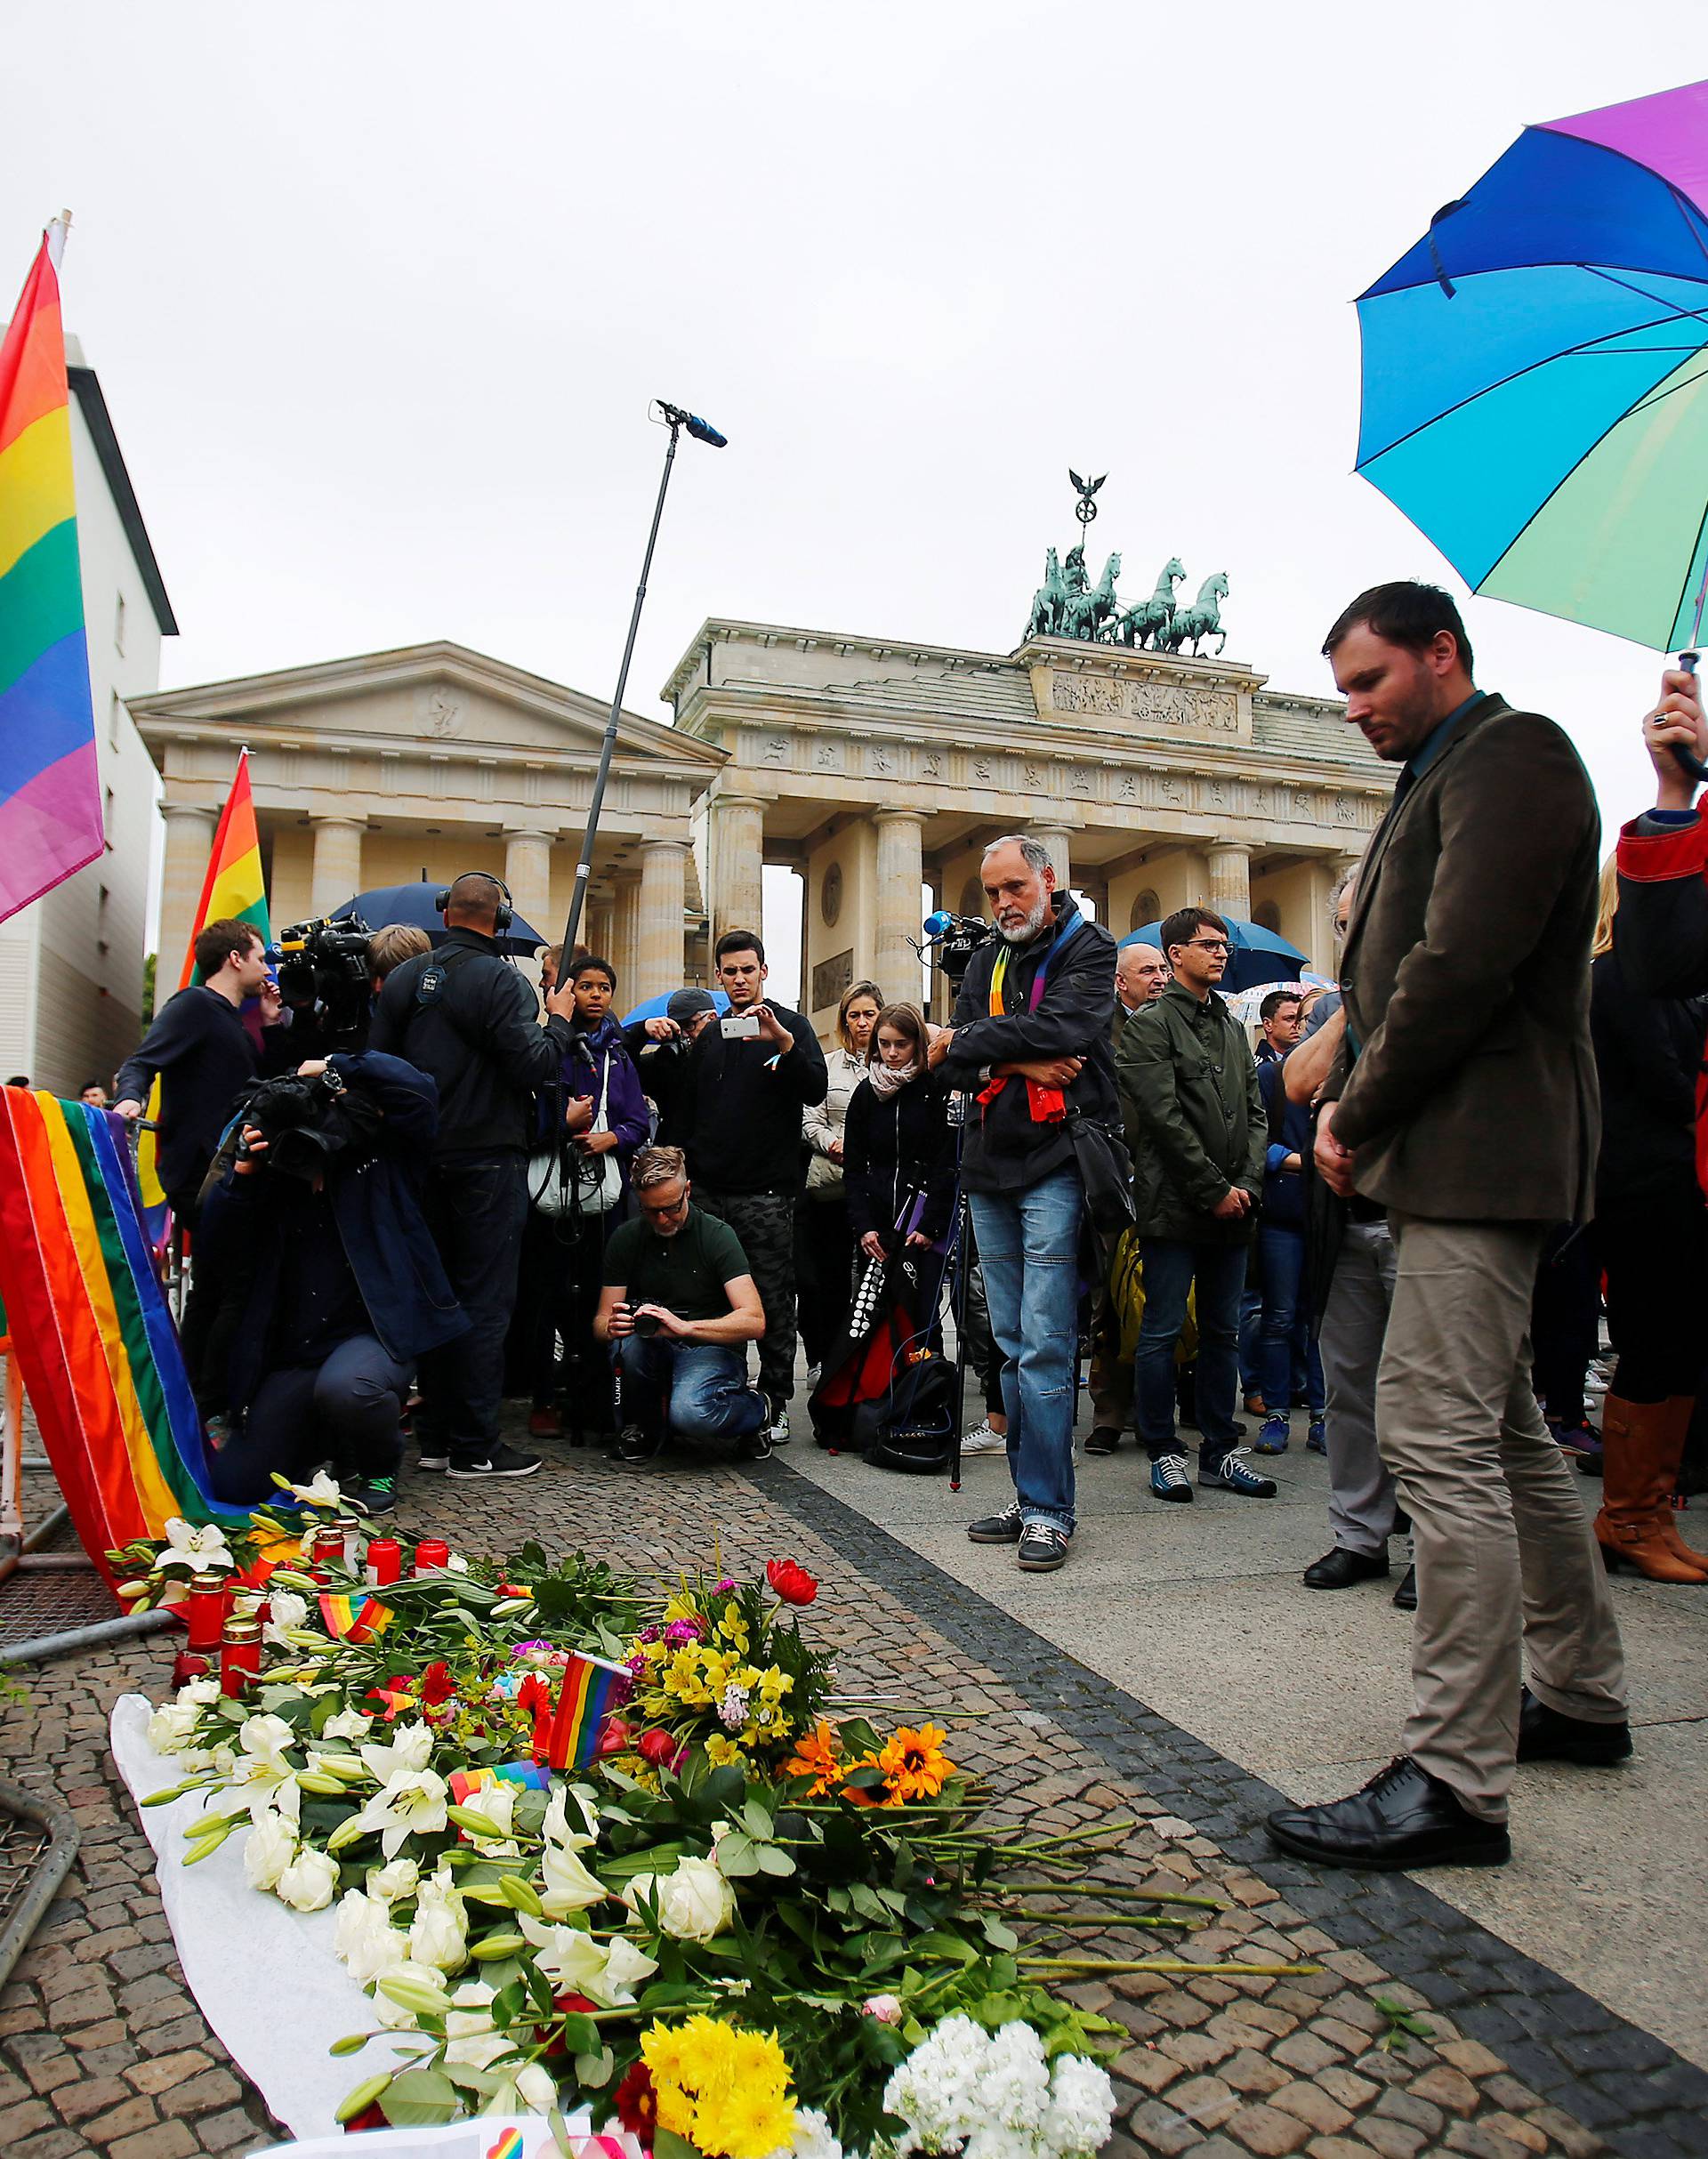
column 1028, row 1247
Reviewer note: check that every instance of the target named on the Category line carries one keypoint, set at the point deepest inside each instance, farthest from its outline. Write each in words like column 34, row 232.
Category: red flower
column 437, row 1684
column 637, row 2103
column 187, row 1666
column 566, row 2005
column 370, row 2117
column 616, row 1736
column 792, row 1583
column 658, row 1746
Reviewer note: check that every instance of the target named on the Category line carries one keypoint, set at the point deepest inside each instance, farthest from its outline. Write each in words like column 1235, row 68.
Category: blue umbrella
column 653, row 1007
column 414, row 904
column 1259, row 955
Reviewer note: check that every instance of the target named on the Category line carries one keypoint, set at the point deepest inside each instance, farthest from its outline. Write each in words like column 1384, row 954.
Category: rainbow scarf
column 1044, row 1104
column 91, row 1329
column 49, row 784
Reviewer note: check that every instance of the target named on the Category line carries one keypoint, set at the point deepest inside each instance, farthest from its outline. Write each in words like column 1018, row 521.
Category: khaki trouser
column 1503, row 1544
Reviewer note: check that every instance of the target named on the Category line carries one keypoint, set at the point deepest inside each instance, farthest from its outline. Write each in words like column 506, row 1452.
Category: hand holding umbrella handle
column 1689, row 763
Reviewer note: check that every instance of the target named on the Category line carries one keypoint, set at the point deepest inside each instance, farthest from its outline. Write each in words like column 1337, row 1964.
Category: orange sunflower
column 815, row 1756
column 913, row 1763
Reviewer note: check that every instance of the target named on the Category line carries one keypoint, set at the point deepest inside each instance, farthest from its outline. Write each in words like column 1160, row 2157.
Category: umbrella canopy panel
column 1535, row 383
column 414, row 904
column 1259, row 957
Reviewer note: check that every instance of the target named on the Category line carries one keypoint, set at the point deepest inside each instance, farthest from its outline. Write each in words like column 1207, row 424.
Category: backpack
column 911, row 1424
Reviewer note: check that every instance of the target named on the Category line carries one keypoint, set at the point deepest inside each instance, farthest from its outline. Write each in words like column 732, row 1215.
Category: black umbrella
column 414, row 904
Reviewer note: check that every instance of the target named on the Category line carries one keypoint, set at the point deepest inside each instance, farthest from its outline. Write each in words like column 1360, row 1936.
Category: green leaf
column 667, row 2145
column 998, row 1935
column 420, row 2097
column 757, row 1818
column 581, row 2033
column 774, row 1860
column 736, row 1856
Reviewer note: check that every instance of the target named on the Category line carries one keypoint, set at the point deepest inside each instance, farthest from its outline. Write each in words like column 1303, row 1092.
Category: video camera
column 324, row 963
column 307, row 1124
column 952, row 939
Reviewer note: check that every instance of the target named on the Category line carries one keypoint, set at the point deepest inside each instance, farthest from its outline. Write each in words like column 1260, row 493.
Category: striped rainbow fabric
column 91, row 1329
column 50, row 787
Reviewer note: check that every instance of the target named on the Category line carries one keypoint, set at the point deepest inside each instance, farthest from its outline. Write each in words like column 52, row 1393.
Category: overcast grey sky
column 378, row 296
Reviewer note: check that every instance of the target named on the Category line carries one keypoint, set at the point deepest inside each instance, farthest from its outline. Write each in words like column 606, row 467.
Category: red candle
column 239, row 1655
column 433, row 1555
column 384, row 1562
column 204, row 1611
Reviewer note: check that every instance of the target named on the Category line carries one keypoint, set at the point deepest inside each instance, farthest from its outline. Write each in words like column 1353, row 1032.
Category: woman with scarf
column 899, row 1152
column 595, row 1112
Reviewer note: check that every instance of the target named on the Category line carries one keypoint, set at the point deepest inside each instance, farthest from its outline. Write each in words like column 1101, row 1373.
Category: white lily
column 410, row 1803
column 197, row 1551
column 555, row 1828
column 439, row 1932
column 568, row 1887
column 576, row 1963
column 410, row 1747
column 320, row 1490
column 348, row 1724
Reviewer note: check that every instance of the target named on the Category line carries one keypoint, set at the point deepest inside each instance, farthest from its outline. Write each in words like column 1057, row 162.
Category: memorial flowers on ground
column 597, row 1843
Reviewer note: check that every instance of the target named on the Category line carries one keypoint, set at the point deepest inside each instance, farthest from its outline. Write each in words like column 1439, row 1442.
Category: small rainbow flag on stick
column 354, row 1619
column 591, row 1690
column 49, row 788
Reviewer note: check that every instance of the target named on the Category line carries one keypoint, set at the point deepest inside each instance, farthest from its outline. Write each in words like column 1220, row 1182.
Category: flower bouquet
column 597, row 1843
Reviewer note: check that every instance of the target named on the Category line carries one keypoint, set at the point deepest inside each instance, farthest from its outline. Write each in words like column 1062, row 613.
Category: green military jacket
column 1195, row 1119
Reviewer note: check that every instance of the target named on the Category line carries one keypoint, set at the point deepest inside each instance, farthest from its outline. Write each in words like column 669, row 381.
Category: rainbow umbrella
column 1535, row 382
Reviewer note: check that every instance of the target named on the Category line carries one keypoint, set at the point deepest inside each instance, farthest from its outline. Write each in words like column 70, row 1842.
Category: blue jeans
column 1251, row 1328
column 1029, row 1246
column 1171, row 1267
column 1285, row 1342
column 709, row 1395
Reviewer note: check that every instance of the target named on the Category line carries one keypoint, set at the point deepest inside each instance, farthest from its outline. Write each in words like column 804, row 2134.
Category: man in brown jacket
column 1463, row 1101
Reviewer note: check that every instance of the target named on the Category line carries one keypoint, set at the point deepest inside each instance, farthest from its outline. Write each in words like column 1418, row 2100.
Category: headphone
column 503, row 915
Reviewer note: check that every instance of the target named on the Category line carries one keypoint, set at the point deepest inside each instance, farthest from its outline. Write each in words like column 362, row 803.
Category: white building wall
column 71, row 962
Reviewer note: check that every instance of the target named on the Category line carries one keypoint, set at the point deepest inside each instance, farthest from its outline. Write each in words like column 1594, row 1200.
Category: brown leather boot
column 1678, row 1411
column 1637, row 1494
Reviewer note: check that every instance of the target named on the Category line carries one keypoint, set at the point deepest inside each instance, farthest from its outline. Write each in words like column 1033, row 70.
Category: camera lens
column 646, row 1325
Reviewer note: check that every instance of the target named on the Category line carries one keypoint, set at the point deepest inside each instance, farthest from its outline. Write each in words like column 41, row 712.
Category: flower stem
column 1110, row 1889
column 1165, row 1963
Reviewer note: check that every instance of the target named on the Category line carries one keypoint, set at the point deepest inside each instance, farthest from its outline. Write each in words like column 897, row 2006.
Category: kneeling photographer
column 330, row 1286
column 680, row 1305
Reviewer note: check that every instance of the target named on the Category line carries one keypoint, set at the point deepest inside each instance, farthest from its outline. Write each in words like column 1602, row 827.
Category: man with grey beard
column 1029, row 1041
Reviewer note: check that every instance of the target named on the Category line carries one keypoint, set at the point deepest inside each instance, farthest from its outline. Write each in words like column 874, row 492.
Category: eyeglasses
column 664, row 1207
column 1210, row 944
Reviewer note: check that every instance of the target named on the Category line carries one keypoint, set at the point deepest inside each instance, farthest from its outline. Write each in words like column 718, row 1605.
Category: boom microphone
column 701, row 429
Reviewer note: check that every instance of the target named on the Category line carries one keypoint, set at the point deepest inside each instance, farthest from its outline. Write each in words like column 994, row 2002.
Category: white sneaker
column 984, row 1441
column 779, row 1434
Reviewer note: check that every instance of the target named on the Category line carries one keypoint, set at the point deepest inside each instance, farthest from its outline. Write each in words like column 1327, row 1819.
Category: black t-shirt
column 685, row 1273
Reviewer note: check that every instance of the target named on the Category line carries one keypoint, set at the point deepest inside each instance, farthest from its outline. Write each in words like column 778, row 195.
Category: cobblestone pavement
column 102, row 2050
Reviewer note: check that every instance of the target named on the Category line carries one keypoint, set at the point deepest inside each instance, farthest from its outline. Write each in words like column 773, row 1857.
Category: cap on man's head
column 684, row 1005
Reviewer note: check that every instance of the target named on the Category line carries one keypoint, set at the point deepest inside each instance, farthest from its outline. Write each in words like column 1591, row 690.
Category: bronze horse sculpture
column 1151, row 618
column 1083, row 614
column 1202, row 619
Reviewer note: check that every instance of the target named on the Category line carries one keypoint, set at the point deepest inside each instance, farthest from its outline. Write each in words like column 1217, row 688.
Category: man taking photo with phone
column 750, row 1075
column 680, row 1306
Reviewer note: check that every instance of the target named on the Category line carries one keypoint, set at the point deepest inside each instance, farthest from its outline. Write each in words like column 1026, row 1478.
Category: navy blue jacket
column 375, row 1207
column 1283, row 1205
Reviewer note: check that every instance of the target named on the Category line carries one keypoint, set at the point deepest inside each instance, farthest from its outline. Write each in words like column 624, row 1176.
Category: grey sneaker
column 1043, row 1549
column 440, row 1463
column 1003, row 1528
column 780, row 1431
column 982, row 1441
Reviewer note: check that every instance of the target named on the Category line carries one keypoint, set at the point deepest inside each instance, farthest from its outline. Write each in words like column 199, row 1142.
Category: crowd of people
column 1397, row 1210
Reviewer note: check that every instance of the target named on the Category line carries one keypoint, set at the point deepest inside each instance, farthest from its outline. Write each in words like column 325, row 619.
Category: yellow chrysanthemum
column 725, row 2090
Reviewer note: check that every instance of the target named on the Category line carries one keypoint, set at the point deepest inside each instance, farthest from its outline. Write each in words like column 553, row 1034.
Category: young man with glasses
column 681, row 1305
column 1197, row 1127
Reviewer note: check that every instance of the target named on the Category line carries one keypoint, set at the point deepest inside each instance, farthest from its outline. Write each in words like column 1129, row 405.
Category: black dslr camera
column 308, row 1124
column 323, row 964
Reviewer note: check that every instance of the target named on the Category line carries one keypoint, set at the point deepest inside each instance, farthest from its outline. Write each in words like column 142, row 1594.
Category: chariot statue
column 1067, row 604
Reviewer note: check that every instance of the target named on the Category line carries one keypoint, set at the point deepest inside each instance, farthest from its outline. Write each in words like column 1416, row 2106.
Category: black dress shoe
column 1102, row 1440
column 1403, row 1818
column 1548, row 1735
column 1405, row 1595
column 1339, row 1569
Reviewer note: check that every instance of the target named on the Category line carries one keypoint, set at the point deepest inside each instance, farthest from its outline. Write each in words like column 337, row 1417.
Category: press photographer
column 680, row 1305
column 323, row 973
column 465, row 1017
column 328, row 1285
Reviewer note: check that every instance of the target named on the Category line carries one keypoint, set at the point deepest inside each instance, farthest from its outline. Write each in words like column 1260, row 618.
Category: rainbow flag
column 591, row 1690
column 466, row 1783
column 232, row 888
column 91, row 1330
column 354, row 1619
column 50, row 787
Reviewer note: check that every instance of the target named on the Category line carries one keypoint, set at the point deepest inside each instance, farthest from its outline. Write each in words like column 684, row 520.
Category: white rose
column 366, row 1938
column 284, row 1609
column 391, row 2015
column 473, row 2041
column 267, row 1850
column 537, row 2088
column 694, row 1903
column 410, row 1747
column 172, row 1727
column 199, row 1690
column 307, row 1883
column 266, row 1739
column 395, row 1881
column 438, row 1934
column 348, row 1724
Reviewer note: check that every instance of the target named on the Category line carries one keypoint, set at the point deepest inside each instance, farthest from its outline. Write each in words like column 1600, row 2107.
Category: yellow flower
column 733, row 1627
column 720, row 1751
column 913, row 1763
column 773, row 1685
column 725, row 2090
column 815, row 1756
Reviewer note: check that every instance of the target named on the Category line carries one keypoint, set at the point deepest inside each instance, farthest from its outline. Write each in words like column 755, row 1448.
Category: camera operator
column 659, row 1048
column 680, row 1305
column 204, row 1056
column 472, row 1023
column 1030, row 1039
column 749, row 1077
column 329, row 1284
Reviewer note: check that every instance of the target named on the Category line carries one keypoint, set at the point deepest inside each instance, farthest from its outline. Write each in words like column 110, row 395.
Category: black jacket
column 470, row 1022
column 1647, row 1053
column 739, row 1118
column 893, row 1150
column 1004, row 1150
column 205, row 1058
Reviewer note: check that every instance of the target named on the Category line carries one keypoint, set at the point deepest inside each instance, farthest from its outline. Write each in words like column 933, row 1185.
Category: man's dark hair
column 1404, row 613
column 739, row 940
column 590, row 964
column 1276, row 999
column 1184, row 924
column 220, row 938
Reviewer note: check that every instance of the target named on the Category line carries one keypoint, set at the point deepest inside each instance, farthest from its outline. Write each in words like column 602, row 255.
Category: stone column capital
column 1066, row 822
column 742, row 798
column 546, row 834
column 1242, row 847
column 205, row 811
column 662, row 848
column 887, row 811
column 335, row 820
